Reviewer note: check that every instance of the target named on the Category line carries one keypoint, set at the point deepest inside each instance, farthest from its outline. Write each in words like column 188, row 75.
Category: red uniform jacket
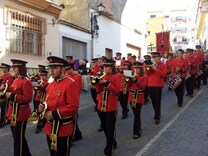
column 94, row 70
column 169, row 65
column 113, row 86
column 193, row 64
column 41, row 90
column 62, row 98
column 199, row 56
column 125, row 85
column 138, row 85
column 182, row 64
column 22, row 92
column 8, row 77
column 157, row 78
column 78, row 79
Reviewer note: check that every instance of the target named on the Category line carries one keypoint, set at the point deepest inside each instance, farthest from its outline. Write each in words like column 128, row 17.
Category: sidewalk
column 186, row 134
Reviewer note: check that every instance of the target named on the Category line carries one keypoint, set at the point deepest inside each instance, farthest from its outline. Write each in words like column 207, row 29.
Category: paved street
column 182, row 131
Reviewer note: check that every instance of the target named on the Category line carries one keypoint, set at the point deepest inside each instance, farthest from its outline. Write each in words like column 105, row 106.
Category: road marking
column 157, row 136
column 32, row 125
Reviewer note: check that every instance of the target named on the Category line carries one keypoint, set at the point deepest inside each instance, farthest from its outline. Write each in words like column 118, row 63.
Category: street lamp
column 100, row 7
column 94, row 21
column 150, row 45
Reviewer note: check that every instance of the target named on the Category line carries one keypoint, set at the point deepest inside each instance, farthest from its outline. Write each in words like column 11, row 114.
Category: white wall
column 51, row 37
column 69, row 32
column 115, row 36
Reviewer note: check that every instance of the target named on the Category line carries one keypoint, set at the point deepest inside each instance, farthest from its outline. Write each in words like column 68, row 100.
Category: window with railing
column 25, row 32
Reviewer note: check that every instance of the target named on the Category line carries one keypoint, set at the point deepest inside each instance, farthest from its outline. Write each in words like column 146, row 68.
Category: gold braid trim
column 13, row 121
column 104, row 100
column 53, row 136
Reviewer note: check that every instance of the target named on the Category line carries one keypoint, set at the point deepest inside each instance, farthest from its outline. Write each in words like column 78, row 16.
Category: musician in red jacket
column 169, row 65
column 40, row 95
column 192, row 63
column 62, row 100
column 136, row 96
column 199, row 55
column 19, row 95
column 108, row 90
column 94, row 70
column 180, row 68
column 156, row 82
column 5, row 79
column 124, row 90
column 71, row 73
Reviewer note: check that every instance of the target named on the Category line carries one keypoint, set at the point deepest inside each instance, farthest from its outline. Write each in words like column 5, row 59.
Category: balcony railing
column 181, row 40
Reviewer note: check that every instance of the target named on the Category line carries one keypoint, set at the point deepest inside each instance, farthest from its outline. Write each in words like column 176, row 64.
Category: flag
column 163, row 42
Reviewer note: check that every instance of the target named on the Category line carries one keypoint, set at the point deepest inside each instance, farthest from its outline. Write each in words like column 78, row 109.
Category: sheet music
column 35, row 84
column 127, row 73
column 88, row 65
column 118, row 62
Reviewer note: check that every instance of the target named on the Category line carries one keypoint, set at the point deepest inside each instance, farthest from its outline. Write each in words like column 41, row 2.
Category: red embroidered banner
column 163, row 42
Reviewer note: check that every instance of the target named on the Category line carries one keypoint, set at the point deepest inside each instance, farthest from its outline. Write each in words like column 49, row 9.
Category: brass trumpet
column 148, row 64
column 97, row 77
column 126, row 78
column 3, row 92
column 35, row 115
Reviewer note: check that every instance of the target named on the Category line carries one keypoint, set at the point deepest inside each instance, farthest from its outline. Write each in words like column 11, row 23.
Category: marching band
column 56, row 103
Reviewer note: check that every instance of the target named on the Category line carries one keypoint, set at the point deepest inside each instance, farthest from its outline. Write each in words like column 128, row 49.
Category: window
column 152, row 16
column 25, row 33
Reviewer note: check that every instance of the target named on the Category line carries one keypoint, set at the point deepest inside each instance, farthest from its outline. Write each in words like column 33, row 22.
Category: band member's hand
column 49, row 115
column 134, row 79
column 154, row 67
column 8, row 94
column 40, row 108
column 2, row 86
column 102, row 81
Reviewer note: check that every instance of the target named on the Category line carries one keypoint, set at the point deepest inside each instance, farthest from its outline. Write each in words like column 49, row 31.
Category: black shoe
column 77, row 138
column 136, row 136
column 179, row 104
column 2, row 125
column 38, row 130
column 146, row 101
column 187, row 94
column 124, row 116
column 157, row 122
column 114, row 146
column 100, row 129
column 191, row 96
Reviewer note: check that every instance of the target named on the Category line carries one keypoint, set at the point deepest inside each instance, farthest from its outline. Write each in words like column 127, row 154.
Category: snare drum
column 174, row 81
column 199, row 72
column 188, row 75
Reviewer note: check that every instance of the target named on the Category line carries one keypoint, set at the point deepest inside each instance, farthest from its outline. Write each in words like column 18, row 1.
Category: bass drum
column 174, row 81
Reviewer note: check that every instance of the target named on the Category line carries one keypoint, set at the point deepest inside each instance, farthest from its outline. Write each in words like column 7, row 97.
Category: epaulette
column 71, row 79
column 27, row 78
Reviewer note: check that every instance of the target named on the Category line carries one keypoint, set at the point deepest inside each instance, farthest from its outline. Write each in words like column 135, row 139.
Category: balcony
column 180, row 40
column 179, row 30
column 43, row 5
column 179, row 19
